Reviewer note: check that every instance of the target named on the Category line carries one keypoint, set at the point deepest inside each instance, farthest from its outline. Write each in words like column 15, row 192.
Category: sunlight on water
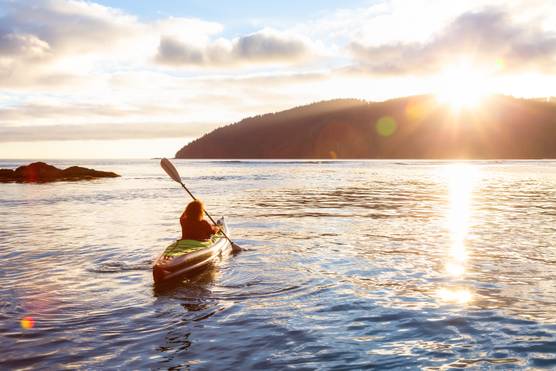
column 347, row 265
column 461, row 179
column 455, row 295
column 455, row 269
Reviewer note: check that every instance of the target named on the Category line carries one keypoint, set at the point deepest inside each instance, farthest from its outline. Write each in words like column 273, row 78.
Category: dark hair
column 195, row 210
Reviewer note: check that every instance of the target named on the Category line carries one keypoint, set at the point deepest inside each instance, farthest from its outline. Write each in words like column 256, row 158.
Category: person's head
column 195, row 210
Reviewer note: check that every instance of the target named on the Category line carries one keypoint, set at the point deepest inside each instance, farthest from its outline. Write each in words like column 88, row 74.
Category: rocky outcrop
column 40, row 172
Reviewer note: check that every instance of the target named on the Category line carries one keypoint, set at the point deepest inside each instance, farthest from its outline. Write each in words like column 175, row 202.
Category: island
column 417, row 127
column 40, row 172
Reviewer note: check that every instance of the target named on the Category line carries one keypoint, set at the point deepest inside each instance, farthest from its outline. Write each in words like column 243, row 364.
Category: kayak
column 185, row 257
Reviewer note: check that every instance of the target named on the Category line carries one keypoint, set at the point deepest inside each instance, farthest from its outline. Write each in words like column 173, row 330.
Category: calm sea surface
column 348, row 265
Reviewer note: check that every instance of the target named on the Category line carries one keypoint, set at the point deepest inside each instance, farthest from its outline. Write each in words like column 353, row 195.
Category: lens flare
column 27, row 323
column 386, row 126
column 416, row 111
column 500, row 64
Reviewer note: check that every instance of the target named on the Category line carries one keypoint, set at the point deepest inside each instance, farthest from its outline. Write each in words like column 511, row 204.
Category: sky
column 140, row 79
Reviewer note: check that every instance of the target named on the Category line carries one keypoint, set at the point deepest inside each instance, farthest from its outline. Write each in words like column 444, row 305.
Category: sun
column 461, row 85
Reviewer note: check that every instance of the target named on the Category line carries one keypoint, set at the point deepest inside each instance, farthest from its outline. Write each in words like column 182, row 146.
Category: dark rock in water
column 36, row 171
column 40, row 172
column 83, row 172
column 6, row 173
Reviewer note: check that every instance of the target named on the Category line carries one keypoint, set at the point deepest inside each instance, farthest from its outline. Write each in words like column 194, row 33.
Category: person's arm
column 211, row 229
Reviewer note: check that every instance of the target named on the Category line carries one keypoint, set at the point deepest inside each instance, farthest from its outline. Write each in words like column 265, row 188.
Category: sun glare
column 461, row 179
column 461, row 85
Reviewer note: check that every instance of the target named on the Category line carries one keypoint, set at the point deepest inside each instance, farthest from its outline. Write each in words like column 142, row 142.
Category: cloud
column 266, row 46
column 488, row 36
column 196, row 31
column 54, row 110
column 24, row 46
column 44, row 43
column 69, row 26
column 220, row 98
column 102, row 131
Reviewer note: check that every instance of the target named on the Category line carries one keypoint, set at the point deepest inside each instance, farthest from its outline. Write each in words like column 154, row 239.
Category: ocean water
column 347, row 265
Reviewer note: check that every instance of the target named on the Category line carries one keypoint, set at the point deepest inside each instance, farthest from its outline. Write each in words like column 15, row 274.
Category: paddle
column 171, row 170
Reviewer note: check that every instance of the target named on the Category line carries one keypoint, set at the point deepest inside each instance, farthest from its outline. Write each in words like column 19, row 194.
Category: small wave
column 116, row 267
column 218, row 177
column 271, row 162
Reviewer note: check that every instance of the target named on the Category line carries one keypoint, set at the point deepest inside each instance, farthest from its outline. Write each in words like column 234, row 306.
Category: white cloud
column 24, row 46
column 195, row 31
column 71, row 26
column 44, row 43
column 47, row 41
column 266, row 46
column 102, row 131
column 487, row 37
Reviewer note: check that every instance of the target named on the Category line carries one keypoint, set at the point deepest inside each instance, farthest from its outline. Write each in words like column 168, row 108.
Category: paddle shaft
column 171, row 170
column 207, row 214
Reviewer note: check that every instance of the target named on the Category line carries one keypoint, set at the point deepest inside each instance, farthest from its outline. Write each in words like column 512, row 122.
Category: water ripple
column 346, row 265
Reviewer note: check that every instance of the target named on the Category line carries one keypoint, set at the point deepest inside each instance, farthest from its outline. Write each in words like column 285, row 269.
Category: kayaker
column 193, row 226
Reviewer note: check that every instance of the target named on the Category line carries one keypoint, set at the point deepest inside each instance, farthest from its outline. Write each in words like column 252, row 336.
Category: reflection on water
column 461, row 179
column 456, row 295
column 348, row 265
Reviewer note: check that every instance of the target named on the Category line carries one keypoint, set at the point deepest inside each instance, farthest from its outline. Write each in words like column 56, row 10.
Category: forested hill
column 416, row 127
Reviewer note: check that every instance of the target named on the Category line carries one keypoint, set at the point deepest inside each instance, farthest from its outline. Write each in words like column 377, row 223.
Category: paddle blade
column 235, row 247
column 170, row 170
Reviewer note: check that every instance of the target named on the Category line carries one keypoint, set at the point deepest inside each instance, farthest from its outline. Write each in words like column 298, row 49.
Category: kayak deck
column 181, row 247
column 187, row 256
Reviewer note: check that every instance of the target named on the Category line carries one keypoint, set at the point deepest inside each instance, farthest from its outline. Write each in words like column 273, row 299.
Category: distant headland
column 40, row 172
column 417, row 127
